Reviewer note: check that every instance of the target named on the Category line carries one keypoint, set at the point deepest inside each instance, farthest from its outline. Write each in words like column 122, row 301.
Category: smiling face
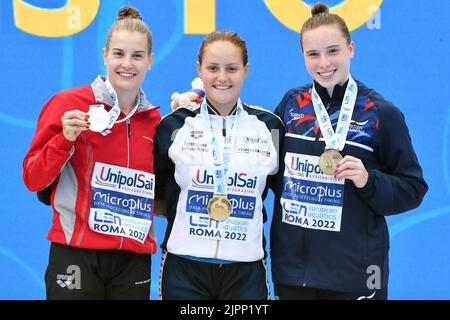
column 223, row 73
column 327, row 55
column 127, row 61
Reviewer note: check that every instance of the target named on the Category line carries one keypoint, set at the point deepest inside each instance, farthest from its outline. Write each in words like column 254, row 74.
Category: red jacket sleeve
column 49, row 150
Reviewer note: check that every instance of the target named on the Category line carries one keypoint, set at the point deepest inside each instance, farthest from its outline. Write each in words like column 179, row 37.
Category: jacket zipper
column 128, row 142
column 128, row 162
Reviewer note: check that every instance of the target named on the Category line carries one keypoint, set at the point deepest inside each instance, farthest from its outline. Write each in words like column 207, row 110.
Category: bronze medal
column 219, row 207
column 328, row 161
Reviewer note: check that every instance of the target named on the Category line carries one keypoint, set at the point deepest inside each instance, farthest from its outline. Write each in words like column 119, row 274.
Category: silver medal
column 98, row 117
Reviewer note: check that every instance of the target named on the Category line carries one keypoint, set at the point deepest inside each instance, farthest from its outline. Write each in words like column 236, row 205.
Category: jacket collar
column 213, row 110
column 102, row 95
column 336, row 98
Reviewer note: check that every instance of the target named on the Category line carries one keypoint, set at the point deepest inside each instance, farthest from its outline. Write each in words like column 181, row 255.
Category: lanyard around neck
column 221, row 159
column 336, row 140
column 114, row 113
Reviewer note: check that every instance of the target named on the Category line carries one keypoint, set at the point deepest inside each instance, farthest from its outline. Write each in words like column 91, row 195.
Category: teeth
column 126, row 74
column 222, row 87
column 326, row 74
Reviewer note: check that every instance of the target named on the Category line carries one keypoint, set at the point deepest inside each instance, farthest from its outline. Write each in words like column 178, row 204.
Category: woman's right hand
column 74, row 122
column 190, row 99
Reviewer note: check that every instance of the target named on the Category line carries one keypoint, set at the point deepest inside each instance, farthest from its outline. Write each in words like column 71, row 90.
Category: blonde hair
column 321, row 16
column 130, row 19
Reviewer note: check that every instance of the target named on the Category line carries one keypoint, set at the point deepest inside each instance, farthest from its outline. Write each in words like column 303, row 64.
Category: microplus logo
column 318, row 191
column 71, row 280
column 243, row 206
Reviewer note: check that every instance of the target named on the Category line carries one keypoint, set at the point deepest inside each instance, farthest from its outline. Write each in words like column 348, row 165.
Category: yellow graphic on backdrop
column 292, row 13
column 199, row 16
column 73, row 18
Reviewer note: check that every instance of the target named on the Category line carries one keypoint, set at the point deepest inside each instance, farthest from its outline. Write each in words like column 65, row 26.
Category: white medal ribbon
column 336, row 140
column 221, row 160
column 114, row 113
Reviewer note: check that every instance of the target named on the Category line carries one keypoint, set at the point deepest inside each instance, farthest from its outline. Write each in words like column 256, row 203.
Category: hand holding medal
column 73, row 123
column 353, row 169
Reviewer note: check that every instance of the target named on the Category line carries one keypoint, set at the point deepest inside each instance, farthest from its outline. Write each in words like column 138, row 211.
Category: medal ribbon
column 336, row 140
column 222, row 159
column 114, row 113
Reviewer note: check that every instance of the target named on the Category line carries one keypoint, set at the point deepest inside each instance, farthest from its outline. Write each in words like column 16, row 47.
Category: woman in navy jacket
column 348, row 162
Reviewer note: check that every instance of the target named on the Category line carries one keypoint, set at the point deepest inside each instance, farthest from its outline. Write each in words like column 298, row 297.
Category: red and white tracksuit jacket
column 68, row 166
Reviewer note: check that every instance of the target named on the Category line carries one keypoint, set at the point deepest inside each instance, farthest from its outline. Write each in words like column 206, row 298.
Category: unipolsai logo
column 203, row 180
column 255, row 140
column 302, row 167
column 115, row 178
column 71, row 280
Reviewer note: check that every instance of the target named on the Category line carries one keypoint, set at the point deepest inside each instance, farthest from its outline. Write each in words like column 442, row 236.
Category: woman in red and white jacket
column 93, row 148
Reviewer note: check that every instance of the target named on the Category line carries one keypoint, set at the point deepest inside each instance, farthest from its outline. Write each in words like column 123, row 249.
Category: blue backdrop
column 402, row 52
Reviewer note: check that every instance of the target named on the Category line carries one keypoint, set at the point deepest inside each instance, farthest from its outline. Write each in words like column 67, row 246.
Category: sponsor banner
column 311, row 199
column 121, row 201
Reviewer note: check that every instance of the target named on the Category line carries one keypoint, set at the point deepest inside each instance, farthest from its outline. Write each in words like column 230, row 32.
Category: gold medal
column 328, row 161
column 219, row 207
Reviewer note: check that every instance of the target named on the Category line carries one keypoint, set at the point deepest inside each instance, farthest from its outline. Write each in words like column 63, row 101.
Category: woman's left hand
column 353, row 169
